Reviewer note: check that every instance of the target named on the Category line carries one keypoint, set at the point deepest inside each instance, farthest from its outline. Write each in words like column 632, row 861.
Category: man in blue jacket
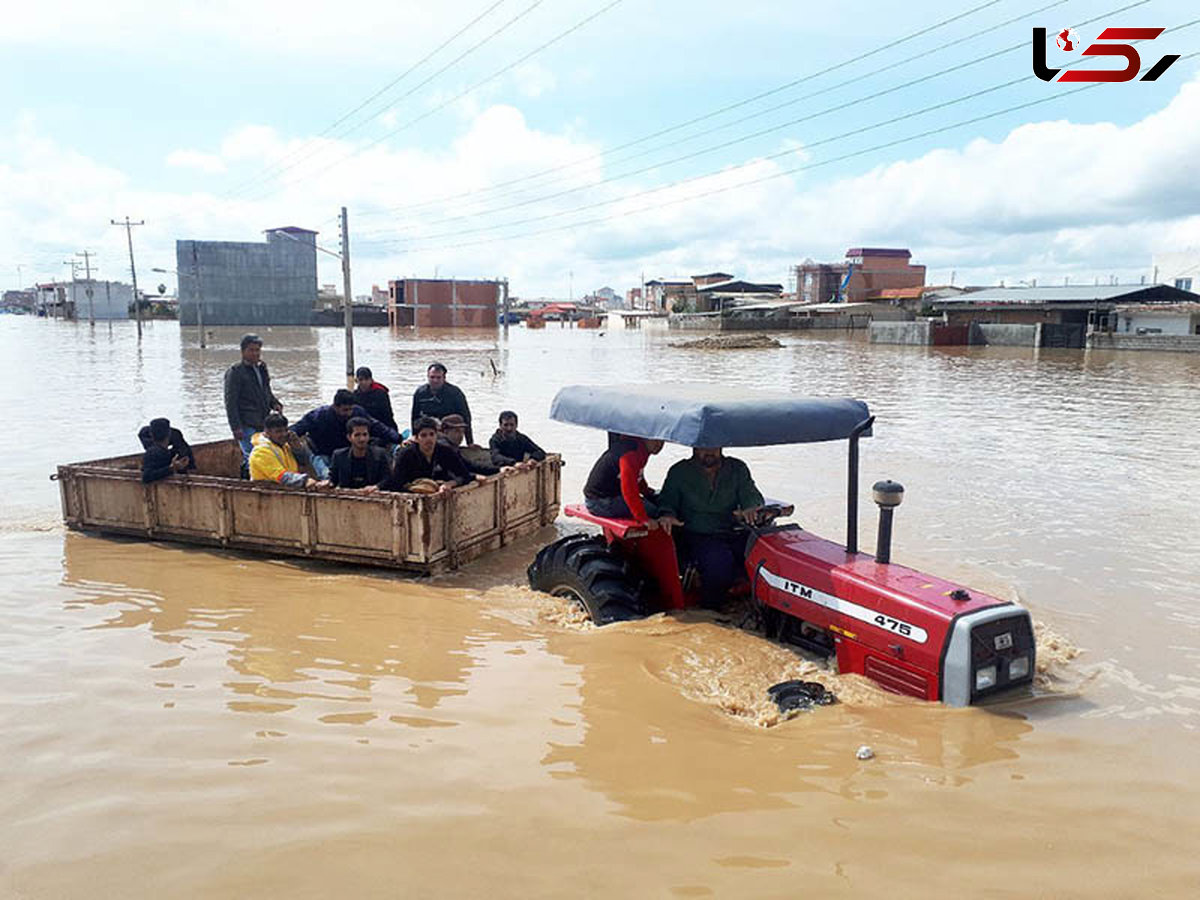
column 325, row 428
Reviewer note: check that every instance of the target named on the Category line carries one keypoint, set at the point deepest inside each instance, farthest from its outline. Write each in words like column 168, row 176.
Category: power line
column 387, row 87
column 738, row 140
column 841, row 136
column 781, row 173
column 732, row 106
column 476, row 86
column 836, row 108
column 522, row 14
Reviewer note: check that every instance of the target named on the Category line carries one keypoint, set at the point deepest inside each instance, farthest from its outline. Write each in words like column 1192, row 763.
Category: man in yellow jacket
column 273, row 460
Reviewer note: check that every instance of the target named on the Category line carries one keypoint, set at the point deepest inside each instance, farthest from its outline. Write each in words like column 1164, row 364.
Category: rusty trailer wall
column 416, row 532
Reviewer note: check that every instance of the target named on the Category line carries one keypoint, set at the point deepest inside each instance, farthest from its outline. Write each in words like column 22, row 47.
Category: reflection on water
column 186, row 722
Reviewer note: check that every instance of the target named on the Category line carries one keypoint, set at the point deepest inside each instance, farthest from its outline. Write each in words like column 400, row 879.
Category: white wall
column 111, row 299
column 1129, row 323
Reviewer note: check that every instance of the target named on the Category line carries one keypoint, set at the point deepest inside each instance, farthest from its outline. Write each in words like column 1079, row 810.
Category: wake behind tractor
column 913, row 633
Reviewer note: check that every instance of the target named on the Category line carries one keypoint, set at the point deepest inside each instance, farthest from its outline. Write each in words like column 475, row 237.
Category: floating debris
column 730, row 342
column 865, row 752
column 799, row 696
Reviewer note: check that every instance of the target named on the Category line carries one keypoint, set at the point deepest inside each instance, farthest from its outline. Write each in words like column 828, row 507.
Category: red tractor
column 913, row 633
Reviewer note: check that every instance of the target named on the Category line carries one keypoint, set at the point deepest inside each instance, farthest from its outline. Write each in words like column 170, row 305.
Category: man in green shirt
column 709, row 493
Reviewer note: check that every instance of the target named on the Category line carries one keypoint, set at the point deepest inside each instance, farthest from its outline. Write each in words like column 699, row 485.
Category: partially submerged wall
column 1006, row 335
column 1171, row 343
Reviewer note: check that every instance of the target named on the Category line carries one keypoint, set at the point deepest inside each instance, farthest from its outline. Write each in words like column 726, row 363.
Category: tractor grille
column 1006, row 644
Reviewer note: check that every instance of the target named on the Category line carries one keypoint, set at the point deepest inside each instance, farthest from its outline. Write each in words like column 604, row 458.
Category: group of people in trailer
column 352, row 443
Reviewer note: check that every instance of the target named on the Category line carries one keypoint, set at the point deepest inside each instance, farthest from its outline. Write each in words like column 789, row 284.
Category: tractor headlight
column 1018, row 668
column 985, row 678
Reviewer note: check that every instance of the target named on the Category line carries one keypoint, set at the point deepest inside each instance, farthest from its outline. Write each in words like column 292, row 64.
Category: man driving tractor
column 710, row 493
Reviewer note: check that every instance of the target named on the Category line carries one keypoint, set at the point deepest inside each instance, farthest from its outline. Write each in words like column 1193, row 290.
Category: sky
column 568, row 145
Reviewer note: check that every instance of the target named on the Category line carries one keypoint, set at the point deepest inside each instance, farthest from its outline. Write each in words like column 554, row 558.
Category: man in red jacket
column 616, row 487
column 373, row 396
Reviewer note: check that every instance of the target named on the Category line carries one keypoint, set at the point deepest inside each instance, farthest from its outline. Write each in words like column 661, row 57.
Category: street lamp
column 199, row 305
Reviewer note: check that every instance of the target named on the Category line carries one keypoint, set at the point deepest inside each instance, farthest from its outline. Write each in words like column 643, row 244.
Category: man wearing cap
column 248, row 396
column 478, row 460
column 439, row 398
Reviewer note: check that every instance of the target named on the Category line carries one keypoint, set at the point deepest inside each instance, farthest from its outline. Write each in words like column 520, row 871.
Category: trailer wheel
column 585, row 569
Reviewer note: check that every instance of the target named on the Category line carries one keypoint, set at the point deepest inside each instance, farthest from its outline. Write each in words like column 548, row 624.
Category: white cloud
column 1050, row 199
column 194, row 159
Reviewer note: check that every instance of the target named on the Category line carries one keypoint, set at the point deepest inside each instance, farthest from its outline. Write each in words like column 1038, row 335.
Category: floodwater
column 182, row 722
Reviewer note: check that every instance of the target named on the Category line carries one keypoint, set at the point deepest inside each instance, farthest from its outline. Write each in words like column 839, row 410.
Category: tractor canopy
column 704, row 415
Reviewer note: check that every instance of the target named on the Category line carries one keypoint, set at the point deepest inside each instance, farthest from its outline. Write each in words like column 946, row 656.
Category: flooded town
column 352, row 548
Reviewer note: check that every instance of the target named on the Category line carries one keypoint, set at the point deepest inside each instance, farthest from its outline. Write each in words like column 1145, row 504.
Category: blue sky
column 185, row 115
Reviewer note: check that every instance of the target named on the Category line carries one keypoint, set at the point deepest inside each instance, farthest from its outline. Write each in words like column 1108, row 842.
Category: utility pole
column 348, row 304
column 87, row 264
column 199, row 294
column 137, row 307
column 504, row 287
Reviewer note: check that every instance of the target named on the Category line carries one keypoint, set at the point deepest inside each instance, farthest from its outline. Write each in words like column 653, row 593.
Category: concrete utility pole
column 348, row 304
column 504, row 287
column 87, row 265
column 137, row 307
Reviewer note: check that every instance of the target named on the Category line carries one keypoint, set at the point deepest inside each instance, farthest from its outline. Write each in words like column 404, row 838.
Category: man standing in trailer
column 248, row 396
column 439, row 398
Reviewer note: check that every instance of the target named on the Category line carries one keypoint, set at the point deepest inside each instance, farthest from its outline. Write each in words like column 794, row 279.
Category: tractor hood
column 703, row 415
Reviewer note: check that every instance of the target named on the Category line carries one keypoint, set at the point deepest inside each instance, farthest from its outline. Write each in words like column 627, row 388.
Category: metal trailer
column 420, row 533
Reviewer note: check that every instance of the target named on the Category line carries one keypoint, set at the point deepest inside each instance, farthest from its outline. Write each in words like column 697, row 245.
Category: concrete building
column 1158, row 318
column 20, row 299
column 716, row 296
column 249, row 282
column 1062, row 314
column 1180, row 269
column 866, row 273
column 443, row 303
column 110, row 300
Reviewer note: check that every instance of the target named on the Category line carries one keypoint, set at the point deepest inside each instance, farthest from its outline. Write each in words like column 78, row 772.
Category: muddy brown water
column 181, row 722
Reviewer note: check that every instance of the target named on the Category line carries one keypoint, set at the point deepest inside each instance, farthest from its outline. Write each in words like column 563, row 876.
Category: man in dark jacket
column 160, row 461
column 361, row 466
column 248, row 396
column 439, row 398
column 175, row 442
column 509, row 447
column 426, row 459
column 373, row 396
column 325, row 428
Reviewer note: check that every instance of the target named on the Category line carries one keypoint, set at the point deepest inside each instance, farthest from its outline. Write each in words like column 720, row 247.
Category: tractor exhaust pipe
column 887, row 495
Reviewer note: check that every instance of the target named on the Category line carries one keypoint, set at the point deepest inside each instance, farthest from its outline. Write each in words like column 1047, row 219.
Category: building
column 1180, row 269
column 667, row 294
column 1065, row 313
column 1158, row 318
column 710, row 278
column 444, row 303
column 110, row 300
column 249, row 282
column 633, row 298
column 716, row 296
column 22, row 299
column 866, row 273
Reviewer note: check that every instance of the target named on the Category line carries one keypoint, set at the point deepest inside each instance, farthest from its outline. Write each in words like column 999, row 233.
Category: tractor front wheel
column 587, row 570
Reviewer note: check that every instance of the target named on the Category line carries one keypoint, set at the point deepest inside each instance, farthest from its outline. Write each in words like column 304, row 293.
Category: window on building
column 1184, row 284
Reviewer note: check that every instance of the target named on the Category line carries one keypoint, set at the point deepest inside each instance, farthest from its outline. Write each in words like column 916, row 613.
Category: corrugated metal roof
column 1072, row 293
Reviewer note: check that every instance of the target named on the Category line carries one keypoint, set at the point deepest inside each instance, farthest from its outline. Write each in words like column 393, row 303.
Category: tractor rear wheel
column 589, row 571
